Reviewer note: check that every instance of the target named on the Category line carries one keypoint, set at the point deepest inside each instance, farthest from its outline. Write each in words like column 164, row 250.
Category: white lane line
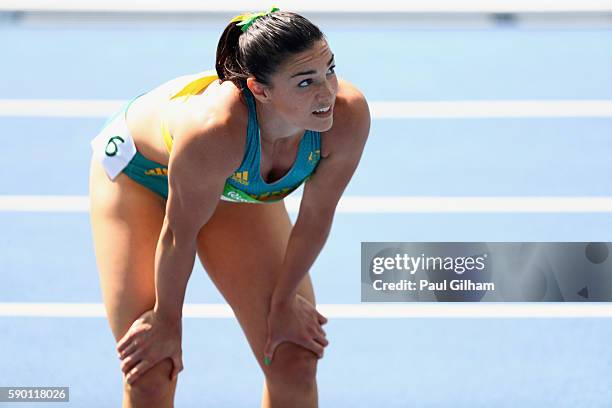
column 490, row 109
column 408, row 6
column 59, row 108
column 382, row 204
column 344, row 311
column 364, row 204
column 74, row 108
column 44, row 203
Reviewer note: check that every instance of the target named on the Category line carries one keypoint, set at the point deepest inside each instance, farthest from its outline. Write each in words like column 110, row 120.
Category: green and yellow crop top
column 246, row 183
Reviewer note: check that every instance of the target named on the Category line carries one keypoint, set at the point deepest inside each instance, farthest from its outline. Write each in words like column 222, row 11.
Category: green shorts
column 150, row 174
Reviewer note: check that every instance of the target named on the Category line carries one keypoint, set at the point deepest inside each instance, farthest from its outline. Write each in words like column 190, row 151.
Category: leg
column 126, row 220
column 242, row 248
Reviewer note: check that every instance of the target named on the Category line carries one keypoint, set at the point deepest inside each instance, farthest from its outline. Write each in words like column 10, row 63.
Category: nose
column 327, row 92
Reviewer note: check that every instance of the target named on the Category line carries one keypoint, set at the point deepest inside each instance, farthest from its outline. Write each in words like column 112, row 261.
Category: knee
column 292, row 367
column 154, row 385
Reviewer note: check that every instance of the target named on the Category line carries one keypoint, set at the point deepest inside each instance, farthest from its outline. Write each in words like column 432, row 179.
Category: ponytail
column 227, row 62
column 264, row 45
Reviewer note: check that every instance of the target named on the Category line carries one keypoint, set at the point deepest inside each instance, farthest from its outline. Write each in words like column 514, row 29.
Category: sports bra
column 246, row 183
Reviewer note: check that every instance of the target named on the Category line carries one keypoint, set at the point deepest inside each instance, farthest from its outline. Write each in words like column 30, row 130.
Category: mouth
column 324, row 112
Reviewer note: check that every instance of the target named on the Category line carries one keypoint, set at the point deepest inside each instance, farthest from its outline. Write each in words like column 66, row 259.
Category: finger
column 130, row 362
column 315, row 348
column 319, row 336
column 316, row 331
column 136, row 372
column 127, row 339
column 139, row 343
column 322, row 319
column 321, row 340
column 130, row 349
column 124, row 342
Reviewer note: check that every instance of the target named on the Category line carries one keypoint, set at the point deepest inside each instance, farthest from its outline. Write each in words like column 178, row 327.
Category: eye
column 305, row 83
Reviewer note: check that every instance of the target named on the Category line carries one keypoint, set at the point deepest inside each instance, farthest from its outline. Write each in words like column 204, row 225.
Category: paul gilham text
column 455, row 284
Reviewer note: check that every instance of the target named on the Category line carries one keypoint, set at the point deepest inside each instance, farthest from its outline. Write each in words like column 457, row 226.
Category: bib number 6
column 111, row 146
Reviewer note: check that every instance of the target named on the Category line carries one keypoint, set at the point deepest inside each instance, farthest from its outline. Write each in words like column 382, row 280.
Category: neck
column 272, row 128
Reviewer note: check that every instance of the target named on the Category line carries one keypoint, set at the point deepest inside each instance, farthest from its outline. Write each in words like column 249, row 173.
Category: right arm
column 199, row 165
column 204, row 155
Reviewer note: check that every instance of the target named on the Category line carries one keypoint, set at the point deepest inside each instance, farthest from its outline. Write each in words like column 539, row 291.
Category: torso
column 144, row 114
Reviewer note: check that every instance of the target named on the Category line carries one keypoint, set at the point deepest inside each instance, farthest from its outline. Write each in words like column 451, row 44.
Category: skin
column 265, row 280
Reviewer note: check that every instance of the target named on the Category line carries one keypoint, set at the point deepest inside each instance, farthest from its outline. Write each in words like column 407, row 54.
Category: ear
column 260, row 91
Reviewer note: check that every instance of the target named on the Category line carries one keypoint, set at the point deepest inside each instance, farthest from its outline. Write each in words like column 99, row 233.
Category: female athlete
column 200, row 165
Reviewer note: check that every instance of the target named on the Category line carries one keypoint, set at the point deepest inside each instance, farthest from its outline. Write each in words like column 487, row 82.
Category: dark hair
column 264, row 46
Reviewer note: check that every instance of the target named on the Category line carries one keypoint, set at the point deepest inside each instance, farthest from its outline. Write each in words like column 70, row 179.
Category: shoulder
column 216, row 123
column 350, row 94
column 351, row 106
column 351, row 119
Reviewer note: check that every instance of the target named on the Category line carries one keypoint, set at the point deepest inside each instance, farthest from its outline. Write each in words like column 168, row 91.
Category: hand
column 296, row 321
column 148, row 341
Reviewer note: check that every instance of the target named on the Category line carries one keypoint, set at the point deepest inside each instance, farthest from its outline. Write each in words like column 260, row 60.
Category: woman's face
column 305, row 83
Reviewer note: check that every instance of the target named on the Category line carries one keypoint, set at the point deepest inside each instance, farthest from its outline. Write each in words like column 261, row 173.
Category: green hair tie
column 247, row 19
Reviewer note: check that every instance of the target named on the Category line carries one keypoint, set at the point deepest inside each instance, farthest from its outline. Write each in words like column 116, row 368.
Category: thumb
column 269, row 351
column 178, row 367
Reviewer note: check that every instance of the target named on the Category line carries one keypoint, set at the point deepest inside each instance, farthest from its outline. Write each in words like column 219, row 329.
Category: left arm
column 321, row 195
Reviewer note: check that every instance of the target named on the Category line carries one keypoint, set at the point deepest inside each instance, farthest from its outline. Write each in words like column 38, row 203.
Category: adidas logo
column 158, row 171
column 241, row 177
column 314, row 156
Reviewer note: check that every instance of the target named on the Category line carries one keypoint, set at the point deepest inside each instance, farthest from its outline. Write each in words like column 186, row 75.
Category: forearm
column 305, row 243
column 174, row 260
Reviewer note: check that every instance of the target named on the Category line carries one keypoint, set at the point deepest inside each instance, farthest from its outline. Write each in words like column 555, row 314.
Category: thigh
column 242, row 248
column 126, row 220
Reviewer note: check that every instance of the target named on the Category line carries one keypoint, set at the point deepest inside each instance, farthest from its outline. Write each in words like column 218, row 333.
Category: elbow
column 326, row 215
column 321, row 217
column 319, row 211
column 178, row 234
column 182, row 223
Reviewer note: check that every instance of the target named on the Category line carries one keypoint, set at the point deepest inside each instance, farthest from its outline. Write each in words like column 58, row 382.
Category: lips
column 322, row 110
column 327, row 112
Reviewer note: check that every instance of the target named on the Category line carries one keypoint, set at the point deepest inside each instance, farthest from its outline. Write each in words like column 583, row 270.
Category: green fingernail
column 266, row 361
